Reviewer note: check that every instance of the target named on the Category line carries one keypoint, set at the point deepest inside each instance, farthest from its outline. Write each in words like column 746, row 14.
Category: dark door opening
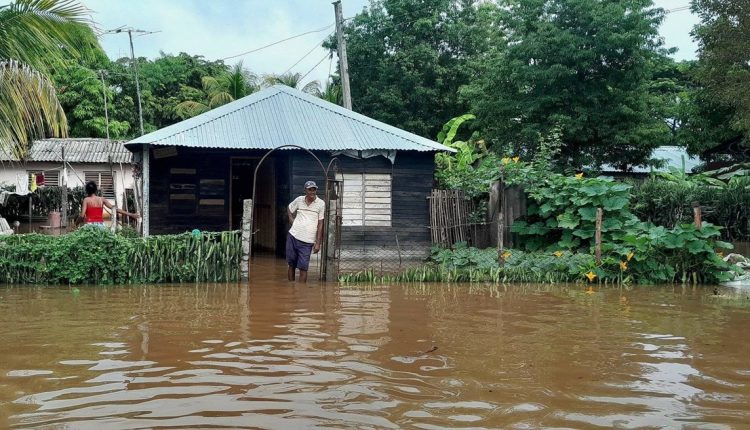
column 264, row 222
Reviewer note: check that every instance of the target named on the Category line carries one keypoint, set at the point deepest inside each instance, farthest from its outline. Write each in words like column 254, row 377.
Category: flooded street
column 403, row 356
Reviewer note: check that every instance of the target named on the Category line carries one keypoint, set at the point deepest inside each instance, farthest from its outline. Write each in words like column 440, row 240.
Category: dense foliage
column 583, row 66
column 407, row 60
column 724, row 54
column 35, row 38
column 562, row 213
column 96, row 256
column 667, row 200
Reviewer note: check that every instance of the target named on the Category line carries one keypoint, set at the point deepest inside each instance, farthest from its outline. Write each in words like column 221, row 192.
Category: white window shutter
column 367, row 199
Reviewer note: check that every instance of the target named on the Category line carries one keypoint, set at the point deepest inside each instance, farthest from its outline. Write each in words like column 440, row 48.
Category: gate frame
column 324, row 245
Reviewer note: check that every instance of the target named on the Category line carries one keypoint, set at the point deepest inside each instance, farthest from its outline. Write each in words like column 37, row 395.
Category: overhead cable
column 279, row 41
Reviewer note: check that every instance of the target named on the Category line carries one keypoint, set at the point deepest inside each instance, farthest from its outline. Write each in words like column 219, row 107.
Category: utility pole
column 137, row 83
column 134, row 64
column 64, row 189
column 343, row 63
column 106, row 113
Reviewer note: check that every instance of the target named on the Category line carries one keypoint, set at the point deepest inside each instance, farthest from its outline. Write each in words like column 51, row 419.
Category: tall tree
column 408, row 59
column 232, row 85
column 724, row 63
column 584, row 67
column 293, row 80
column 35, row 37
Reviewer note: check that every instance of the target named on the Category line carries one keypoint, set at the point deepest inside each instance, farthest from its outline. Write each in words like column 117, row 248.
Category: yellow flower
column 506, row 254
column 515, row 159
column 558, row 254
column 590, row 290
column 623, row 265
column 579, row 175
column 630, row 255
column 591, row 275
column 506, row 160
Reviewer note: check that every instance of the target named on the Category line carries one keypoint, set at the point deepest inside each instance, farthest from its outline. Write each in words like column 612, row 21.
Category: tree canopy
column 723, row 71
column 407, row 60
column 35, row 37
column 584, row 67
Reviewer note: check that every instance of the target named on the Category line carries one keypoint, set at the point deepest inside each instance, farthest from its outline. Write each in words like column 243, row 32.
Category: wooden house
column 198, row 172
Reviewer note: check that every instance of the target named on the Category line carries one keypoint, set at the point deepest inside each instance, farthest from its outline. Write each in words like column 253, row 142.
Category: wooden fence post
column 697, row 215
column 598, row 236
column 247, row 232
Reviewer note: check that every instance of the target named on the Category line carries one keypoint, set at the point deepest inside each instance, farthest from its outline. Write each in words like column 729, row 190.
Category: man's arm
column 290, row 215
column 319, row 238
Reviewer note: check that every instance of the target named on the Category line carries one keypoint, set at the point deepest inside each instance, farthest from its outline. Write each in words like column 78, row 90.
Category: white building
column 104, row 161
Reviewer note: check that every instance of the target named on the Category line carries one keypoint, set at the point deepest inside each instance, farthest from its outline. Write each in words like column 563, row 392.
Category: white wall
column 12, row 173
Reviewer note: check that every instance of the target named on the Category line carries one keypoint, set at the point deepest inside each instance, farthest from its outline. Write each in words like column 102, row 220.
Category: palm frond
column 219, row 98
column 43, row 33
column 189, row 109
column 312, row 87
column 240, row 81
column 29, row 108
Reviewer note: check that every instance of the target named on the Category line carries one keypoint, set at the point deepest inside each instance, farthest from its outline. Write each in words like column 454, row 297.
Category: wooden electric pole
column 343, row 63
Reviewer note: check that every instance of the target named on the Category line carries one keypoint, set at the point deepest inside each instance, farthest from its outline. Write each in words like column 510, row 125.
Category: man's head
column 311, row 188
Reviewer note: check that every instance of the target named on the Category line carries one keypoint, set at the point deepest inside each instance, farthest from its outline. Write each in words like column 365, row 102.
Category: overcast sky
column 218, row 29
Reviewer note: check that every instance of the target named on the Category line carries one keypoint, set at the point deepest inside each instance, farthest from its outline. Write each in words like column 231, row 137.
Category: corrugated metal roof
column 77, row 150
column 672, row 156
column 282, row 115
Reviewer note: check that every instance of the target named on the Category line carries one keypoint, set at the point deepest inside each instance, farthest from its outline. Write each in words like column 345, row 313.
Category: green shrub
column 96, row 256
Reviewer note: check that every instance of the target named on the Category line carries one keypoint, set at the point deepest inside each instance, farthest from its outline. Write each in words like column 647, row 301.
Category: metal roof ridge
column 342, row 111
column 243, row 105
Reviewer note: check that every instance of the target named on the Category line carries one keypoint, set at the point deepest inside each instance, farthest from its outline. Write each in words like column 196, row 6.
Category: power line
column 278, row 41
column 677, row 9
column 316, row 46
column 313, row 67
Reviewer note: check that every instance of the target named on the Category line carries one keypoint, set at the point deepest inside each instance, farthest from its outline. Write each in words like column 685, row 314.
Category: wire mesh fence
column 381, row 259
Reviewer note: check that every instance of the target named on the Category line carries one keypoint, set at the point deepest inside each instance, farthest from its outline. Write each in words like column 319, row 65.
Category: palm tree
column 330, row 93
column 36, row 36
column 238, row 83
column 293, row 80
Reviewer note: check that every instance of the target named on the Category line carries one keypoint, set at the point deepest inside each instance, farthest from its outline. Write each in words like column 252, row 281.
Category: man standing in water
column 306, row 217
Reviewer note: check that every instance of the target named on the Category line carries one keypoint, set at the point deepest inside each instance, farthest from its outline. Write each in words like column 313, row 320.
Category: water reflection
column 320, row 356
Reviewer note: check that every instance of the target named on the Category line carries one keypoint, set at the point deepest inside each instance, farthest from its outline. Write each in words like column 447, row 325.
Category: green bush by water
column 681, row 257
column 96, row 256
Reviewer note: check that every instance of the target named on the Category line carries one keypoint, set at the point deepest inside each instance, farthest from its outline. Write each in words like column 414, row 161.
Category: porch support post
column 247, row 234
column 331, row 257
column 146, row 178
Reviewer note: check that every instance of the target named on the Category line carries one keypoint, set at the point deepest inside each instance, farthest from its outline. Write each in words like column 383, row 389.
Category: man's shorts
column 298, row 252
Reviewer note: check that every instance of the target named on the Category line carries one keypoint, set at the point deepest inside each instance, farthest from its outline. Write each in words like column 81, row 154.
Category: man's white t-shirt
column 305, row 225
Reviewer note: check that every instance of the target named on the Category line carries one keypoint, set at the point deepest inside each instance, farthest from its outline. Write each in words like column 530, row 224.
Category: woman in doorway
column 93, row 207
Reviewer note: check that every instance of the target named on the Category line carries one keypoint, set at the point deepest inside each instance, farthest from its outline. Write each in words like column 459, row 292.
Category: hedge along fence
column 96, row 256
column 669, row 204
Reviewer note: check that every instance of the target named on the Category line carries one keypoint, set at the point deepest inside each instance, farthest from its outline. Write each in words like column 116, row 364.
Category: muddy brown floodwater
column 431, row 356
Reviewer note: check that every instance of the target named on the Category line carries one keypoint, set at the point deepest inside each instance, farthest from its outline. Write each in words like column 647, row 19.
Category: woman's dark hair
column 90, row 188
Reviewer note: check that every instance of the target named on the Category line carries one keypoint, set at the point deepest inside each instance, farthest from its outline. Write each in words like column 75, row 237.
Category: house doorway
column 264, row 222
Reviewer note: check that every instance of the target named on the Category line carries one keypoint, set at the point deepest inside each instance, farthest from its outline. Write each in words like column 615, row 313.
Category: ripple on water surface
column 431, row 357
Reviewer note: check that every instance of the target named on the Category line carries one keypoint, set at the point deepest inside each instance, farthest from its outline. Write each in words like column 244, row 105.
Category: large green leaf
column 614, row 203
column 568, row 220
column 587, row 213
column 448, row 133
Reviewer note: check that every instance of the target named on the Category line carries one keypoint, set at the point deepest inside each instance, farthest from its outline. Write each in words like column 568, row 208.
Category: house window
column 367, row 199
column 51, row 177
column 104, row 182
